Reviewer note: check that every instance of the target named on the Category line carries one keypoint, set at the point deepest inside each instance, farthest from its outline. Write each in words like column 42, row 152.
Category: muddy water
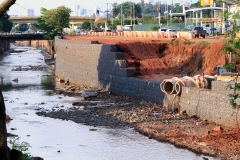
column 54, row 139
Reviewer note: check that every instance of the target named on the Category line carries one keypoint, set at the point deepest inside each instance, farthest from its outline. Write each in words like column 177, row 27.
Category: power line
column 21, row 6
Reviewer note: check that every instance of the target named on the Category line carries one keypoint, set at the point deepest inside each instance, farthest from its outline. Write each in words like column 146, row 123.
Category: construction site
column 163, row 72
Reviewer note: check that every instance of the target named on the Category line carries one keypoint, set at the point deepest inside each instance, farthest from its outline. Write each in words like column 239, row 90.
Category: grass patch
column 203, row 43
column 174, row 42
column 187, row 42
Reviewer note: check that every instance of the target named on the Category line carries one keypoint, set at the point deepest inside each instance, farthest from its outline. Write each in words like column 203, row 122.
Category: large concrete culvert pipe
column 185, row 81
column 167, row 86
column 174, row 85
column 162, row 86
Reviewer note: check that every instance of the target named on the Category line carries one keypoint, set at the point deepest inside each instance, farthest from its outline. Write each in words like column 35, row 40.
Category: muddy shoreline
column 151, row 120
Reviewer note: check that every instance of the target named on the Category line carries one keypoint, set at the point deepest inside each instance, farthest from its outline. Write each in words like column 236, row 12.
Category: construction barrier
column 162, row 35
column 143, row 34
column 190, row 35
column 178, row 35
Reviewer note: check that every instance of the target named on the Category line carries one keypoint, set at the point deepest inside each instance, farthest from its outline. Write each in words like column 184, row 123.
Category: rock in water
column 89, row 93
column 15, row 80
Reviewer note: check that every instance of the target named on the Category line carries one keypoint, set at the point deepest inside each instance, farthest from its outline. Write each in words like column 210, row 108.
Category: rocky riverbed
column 152, row 120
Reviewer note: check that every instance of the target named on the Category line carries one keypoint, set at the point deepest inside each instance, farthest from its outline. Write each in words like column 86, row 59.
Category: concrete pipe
column 162, row 86
column 178, row 86
column 185, row 81
column 169, row 86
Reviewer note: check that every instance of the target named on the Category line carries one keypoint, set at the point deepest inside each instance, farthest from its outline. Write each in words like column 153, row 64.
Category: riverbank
column 151, row 120
column 56, row 139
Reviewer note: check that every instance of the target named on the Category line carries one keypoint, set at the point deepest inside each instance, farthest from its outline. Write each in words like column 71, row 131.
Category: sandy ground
column 158, row 59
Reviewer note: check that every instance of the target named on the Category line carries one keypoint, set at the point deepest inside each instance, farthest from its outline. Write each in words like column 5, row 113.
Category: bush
column 155, row 28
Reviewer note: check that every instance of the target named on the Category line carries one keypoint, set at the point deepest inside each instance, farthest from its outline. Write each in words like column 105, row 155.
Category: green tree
column 57, row 18
column 54, row 21
column 87, row 25
column 101, row 24
column 5, row 24
column 127, row 9
column 40, row 24
column 177, row 9
column 21, row 27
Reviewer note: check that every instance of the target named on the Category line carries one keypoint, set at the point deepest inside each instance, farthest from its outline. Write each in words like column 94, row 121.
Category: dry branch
column 5, row 5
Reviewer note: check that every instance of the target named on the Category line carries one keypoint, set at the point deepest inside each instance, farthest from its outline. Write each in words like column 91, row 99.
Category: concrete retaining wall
column 212, row 105
column 85, row 62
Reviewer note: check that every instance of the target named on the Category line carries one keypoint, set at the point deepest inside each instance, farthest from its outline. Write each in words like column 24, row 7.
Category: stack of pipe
column 174, row 85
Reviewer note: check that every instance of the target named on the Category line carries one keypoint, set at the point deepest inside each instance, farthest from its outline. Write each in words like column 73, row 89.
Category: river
column 54, row 139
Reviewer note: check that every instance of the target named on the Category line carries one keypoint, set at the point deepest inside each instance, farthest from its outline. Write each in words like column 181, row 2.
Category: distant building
column 83, row 12
column 149, row 1
column 29, row 12
column 96, row 11
column 76, row 10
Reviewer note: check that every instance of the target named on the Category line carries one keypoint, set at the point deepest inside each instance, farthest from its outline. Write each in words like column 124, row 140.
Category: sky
column 50, row 4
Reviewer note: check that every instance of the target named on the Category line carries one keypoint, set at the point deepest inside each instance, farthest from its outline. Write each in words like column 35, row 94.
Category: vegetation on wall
column 232, row 47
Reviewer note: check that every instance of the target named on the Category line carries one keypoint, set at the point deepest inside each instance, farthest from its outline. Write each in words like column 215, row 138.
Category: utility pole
column 112, row 16
column 134, row 15
column 159, row 14
column 90, row 18
column 107, row 13
column 121, row 17
column 131, row 12
column 142, row 4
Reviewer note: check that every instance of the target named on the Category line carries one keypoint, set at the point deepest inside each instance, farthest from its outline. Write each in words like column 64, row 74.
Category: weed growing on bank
column 20, row 146
column 203, row 43
column 187, row 42
column 174, row 42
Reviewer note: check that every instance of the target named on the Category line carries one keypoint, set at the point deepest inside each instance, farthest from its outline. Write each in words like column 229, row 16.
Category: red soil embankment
column 156, row 59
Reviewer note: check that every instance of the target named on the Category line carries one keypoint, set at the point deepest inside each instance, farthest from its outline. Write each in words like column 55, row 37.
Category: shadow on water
column 47, row 83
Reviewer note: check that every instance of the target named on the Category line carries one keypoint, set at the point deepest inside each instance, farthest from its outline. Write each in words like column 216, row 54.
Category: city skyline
column 21, row 6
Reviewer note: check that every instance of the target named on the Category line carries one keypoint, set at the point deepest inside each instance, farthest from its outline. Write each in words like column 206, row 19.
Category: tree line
column 127, row 13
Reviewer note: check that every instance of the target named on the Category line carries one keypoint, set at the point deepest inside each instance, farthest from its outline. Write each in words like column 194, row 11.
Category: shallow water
column 54, row 139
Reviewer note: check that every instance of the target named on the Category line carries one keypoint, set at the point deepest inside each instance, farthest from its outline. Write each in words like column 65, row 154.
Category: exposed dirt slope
column 173, row 57
column 176, row 57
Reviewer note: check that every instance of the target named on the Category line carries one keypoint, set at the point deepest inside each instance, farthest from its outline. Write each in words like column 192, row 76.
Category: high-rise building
column 83, row 12
column 76, row 10
column 29, row 12
column 149, row 1
column 96, row 10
